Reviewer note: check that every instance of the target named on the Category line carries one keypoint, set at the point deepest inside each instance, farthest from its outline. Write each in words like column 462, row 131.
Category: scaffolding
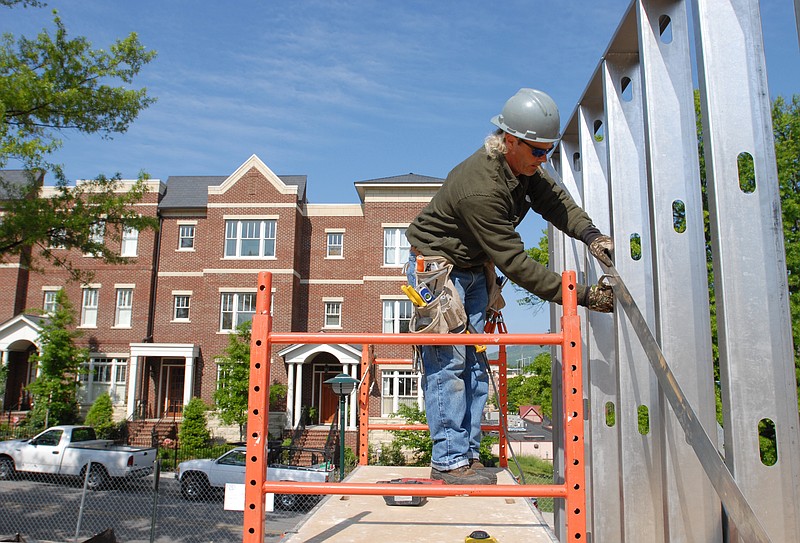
column 572, row 489
column 629, row 156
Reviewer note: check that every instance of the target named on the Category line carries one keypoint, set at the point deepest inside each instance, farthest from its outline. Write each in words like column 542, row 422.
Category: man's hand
column 602, row 248
column 601, row 298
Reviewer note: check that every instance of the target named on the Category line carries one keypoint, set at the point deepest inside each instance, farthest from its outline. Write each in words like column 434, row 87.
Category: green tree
column 540, row 254
column 417, row 442
column 101, row 416
column 60, row 362
column 193, row 433
column 533, row 387
column 786, row 130
column 230, row 398
column 54, row 84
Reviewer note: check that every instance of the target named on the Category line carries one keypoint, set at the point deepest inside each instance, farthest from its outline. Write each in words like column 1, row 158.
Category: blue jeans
column 456, row 382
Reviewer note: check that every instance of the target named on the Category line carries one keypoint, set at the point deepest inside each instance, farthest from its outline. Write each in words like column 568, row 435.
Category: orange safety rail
column 573, row 490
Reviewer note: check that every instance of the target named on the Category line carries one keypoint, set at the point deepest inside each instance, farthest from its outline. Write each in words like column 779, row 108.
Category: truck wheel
column 7, row 469
column 98, row 477
column 194, row 487
column 287, row 502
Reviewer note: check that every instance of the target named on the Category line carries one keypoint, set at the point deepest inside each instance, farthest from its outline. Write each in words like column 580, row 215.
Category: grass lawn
column 536, row 472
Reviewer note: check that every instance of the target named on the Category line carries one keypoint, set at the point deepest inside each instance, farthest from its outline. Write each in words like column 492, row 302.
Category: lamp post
column 342, row 385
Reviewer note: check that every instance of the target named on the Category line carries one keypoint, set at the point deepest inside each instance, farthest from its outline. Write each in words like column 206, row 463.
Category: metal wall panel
column 641, row 445
column 645, row 164
column 755, row 344
column 679, row 259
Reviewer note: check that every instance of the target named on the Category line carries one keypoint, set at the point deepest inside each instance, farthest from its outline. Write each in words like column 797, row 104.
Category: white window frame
column 236, row 305
column 335, row 244
column 49, row 304
column 123, row 314
column 181, row 301
column 396, row 315
column 186, row 232
column 97, row 234
column 104, row 373
column 392, row 381
column 130, row 242
column 89, row 303
column 333, row 313
column 255, row 230
column 396, row 246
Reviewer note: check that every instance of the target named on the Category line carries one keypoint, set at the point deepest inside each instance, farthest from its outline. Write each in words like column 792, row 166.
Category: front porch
column 161, row 379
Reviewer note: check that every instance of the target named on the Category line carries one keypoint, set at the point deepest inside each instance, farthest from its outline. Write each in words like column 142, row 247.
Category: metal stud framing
column 629, row 154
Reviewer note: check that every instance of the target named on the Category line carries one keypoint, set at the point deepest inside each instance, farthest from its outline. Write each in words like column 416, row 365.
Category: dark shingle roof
column 192, row 191
column 409, row 178
column 188, row 190
column 17, row 178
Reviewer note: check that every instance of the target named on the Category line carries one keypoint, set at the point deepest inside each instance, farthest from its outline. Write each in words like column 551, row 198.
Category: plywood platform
column 367, row 519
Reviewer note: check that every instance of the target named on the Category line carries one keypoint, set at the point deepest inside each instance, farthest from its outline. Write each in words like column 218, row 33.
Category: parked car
column 200, row 478
column 68, row 450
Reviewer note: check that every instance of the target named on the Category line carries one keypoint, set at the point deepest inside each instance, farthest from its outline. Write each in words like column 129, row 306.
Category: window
column 121, row 373
column 97, row 235
column 396, row 316
column 50, row 305
column 101, row 370
column 130, row 242
column 251, row 238
column 335, row 244
column 122, row 317
column 181, row 307
column 236, row 308
column 89, row 307
column 399, row 387
column 104, row 375
column 333, row 314
column 395, row 246
column 185, row 237
column 58, row 239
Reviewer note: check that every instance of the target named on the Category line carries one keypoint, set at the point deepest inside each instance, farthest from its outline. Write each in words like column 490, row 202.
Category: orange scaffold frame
column 573, row 489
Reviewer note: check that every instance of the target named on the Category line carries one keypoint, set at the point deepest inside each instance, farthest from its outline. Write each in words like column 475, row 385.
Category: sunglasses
column 535, row 151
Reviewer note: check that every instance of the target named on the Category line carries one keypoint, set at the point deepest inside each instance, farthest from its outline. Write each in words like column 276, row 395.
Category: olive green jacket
column 472, row 220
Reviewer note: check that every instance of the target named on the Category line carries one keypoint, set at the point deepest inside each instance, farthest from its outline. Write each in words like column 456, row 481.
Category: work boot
column 459, row 476
column 477, row 466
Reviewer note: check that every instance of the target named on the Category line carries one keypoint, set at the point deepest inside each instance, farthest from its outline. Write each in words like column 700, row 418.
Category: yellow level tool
column 413, row 295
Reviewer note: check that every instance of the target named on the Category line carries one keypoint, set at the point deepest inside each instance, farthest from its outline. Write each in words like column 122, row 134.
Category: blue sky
column 346, row 91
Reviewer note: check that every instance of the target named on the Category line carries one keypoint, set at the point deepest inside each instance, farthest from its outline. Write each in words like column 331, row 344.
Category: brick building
column 155, row 326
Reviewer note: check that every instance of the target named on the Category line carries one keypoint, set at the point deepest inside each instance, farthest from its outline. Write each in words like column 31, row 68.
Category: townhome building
column 156, row 326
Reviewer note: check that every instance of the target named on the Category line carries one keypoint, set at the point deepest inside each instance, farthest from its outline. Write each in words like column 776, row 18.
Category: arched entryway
column 307, row 369
column 18, row 347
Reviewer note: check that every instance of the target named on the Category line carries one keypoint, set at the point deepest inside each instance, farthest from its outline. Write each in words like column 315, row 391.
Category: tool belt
column 438, row 308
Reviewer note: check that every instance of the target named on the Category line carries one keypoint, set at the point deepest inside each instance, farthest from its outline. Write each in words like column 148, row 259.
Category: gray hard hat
column 531, row 115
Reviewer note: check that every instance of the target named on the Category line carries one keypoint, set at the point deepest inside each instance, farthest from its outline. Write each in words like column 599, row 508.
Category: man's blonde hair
column 495, row 144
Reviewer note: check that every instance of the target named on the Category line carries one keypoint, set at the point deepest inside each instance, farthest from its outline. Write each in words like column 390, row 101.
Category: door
column 329, row 403
column 43, row 453
column 173, row 378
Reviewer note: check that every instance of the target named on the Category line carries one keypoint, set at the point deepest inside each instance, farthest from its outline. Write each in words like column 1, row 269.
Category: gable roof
column 191, row 191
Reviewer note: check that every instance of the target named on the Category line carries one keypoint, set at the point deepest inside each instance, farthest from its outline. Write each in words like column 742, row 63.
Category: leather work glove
column 602, row 248
column 600, row 298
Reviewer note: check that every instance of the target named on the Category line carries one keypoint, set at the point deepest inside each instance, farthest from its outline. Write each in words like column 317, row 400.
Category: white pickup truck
column 199, row 478
column 67, row 450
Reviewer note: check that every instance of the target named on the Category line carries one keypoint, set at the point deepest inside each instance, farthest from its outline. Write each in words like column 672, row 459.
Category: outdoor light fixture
column 342, row 385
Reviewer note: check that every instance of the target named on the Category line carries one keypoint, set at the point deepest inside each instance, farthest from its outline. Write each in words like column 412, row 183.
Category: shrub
column 194, row 432
column 101, row 417
column 392, row 455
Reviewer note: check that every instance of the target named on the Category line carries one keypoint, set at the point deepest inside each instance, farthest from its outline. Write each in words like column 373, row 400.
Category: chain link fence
column 179, row 504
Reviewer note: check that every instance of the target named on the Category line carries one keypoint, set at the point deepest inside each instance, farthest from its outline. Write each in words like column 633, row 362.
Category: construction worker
column 471, row 221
